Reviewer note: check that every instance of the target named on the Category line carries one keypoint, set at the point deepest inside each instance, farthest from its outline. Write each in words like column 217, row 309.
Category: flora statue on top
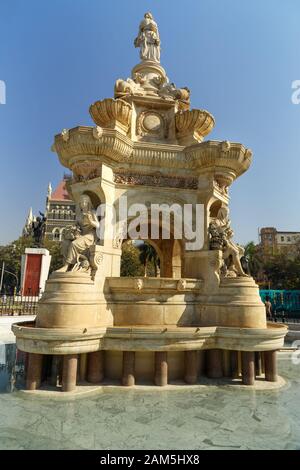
column 148, row 39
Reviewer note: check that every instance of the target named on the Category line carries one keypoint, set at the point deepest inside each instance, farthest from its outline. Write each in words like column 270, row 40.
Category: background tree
column 283, row 272
column 56, row 256
column 12, row 255
column 130, row 261
column 148, row 258
column 254, row 256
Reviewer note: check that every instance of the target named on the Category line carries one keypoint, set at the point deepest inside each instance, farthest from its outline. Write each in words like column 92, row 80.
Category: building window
column 282, row 239
column 288, row 239
column 56, row 234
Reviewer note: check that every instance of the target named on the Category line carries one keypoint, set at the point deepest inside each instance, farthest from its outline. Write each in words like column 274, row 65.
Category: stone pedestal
column 95, row 367
column 258, row 364
column 248, row 368
column 69, row 374
column 191, row 367
column 214, row 363
column 34, row 371
column 270, row 366
column 161, row 368
column 234, row 364
column 34, row 271
column 82, row 367
column 55, row 370
column 226, row 364
column 128, row 374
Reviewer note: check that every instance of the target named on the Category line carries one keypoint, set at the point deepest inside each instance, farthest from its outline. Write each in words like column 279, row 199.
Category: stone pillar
column 262, row 362
column 69, row 374
column 161, row 368
column 128, row 378
column 82, row 367
column 55, row 370
column 95, row 367
column 26, row 361
column 214, row 363
column 270, row 366
column 240, row 363
column 234, row 364
column 201, row 363
column 191, row 367
column 34, row 371
column 226, row 363
column 248, row 368
column 46, row 368
column 258, row 364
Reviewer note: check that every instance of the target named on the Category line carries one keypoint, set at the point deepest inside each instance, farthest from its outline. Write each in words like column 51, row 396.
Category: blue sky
column 238, row 57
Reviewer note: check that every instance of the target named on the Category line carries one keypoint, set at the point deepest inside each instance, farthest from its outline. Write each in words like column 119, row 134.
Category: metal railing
column 285, row 303
column 18, row 304
column 284, row 317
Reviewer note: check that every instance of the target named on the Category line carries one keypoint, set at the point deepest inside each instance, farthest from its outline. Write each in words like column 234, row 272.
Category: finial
column 148, row 39
column 49, row 192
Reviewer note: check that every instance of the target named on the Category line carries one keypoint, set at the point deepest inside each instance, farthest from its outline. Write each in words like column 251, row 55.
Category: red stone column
column 55, row 366
column 258, row 363
column 248, row 368
column 262, row 362
column 95, row 368
column 82, row 367
column 226, row 363
column 234, row 364
column 161, row 368
column 270, row 366
column 128, row 375
column 69, row 374
column 201, row 363
column 214, row 368
column 34, row 371
column 191, row 367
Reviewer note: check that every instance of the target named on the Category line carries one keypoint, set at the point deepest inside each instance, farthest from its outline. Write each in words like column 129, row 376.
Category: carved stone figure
column 216, row 239
column 38, row 229
column 80, row 238
column 245, row 264
column 128, row 87
column 170, row 91
column 221, row 236
column 148, row 39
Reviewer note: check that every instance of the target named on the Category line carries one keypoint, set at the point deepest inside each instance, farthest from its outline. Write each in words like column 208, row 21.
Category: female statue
column 80, row 238
column 231, row 251
column 148, row 39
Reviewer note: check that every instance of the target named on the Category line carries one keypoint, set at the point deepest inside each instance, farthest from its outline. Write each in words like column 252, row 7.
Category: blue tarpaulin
column 282, row 300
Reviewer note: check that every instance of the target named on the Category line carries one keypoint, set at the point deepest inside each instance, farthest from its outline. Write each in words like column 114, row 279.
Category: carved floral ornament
column 97, row 132
column 181, row 285
column 65, row 133
column 138, row 284
column 86, row 169
column 156, row 180
column 223, row 189
column 151, row 123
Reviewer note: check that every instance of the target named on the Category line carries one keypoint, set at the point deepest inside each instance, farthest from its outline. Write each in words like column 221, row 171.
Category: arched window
column 56, row 234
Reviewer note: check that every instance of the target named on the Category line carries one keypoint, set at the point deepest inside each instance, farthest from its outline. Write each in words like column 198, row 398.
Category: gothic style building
column 60, row 210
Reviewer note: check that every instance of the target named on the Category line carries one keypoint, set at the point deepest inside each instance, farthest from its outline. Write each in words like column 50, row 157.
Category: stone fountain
column 203, row 316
